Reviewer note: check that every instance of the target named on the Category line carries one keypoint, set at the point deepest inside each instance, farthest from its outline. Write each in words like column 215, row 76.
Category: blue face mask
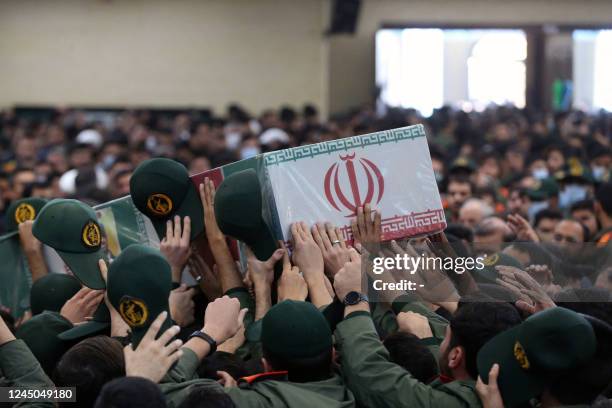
column 248, row 152
column 570, row 194
column 540, row 174
column 535, row 208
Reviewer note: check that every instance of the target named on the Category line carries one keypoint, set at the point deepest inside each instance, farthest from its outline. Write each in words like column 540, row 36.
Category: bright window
column 496, row 69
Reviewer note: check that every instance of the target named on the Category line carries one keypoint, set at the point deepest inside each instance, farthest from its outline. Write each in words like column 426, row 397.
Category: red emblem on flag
column 334, row 191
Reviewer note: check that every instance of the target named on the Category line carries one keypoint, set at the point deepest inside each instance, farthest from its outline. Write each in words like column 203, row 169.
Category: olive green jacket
column 377, row 382
column 263, row 392
column 21, row 369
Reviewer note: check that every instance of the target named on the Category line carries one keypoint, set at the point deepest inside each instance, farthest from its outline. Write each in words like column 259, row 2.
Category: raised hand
column 182, row 306
column 489, row 393
column 308, row 257
column 119, row 327
column 207, row 195
column 349, row 278
column 367, row 228
column 415, row 323
column 291, row 284
column 332, row 245
column 153, row 358
column 223, row 318
column 532, row 296
column 175, row 245
column 521, row 227
column 82, row 305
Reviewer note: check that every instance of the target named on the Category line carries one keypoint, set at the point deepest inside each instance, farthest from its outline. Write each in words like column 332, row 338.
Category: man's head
column 490, row 234
column 519, row 202
column 120, row 184
column 81, row 155
column 202, row 396
column 603, row 204
column 407, row 350
column 296, row 338
column 474, row 324
column 25, row 151
column 458, row 190
column 569, row 235
column 131, row 392
column 473, row 211
column 88, row 366
column 545, row 222
column 583, row 211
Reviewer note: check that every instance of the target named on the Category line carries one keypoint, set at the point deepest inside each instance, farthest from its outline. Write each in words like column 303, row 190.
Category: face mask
column 247, row 152
column 599, row 172
column 571, row 194
column 108, row 161
column 439, row 176
column 540, row 174
column 535, row 208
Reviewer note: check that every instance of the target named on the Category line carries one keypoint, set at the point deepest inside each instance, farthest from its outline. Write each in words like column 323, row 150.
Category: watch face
column 352, row 298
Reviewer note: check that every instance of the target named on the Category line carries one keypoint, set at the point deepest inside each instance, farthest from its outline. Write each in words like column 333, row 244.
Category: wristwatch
column 352, row 298
column 200, row 334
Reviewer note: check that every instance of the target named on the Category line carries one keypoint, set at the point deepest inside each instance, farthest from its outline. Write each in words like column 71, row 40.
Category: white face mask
column 570, row 194
column 540, row 173
column 599, row 172
column 247, row 152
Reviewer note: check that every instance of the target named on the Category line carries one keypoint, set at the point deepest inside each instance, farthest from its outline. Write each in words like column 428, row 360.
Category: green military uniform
column 264, row 390
column 305, row 333
column 20, row 369
column 385, row 319
column 377, row 382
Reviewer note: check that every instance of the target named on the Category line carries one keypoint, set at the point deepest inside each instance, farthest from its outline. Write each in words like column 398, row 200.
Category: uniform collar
column 271, row 375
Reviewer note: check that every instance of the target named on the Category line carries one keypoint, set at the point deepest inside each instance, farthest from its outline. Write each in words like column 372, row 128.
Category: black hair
column 546, row 213
column 302, row 370
column 204, row 396
column 587, row 204
column 222, row 361
column 131, row 392
column 459, row 231
column 88, row 366
column 475, row 323
column 603, row 196
column 460, row 179
column 407, row 351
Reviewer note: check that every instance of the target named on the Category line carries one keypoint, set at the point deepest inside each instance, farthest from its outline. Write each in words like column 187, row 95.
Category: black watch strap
column 206, row 338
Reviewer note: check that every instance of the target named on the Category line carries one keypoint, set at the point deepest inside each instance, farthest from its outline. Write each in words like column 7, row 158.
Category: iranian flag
column 326, row 182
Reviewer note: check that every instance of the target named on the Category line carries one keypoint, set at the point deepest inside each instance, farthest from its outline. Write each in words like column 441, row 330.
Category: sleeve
column 436, row 322
column 21, row 369
column 184, row 369
column 248, row 349
column 374, row 380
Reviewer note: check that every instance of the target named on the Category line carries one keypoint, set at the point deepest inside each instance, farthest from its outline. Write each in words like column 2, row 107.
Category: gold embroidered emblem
column 490, row 260
column 159, row 204
column 133, row 311
column 24, row 212
column 91, row 235
column 521, row 356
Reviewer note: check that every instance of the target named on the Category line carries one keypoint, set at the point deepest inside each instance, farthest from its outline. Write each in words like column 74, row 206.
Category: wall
column 262, row 53
column 351, row 74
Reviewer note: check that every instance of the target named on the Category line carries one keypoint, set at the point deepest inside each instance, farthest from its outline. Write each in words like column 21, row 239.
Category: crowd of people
column 530, row 193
